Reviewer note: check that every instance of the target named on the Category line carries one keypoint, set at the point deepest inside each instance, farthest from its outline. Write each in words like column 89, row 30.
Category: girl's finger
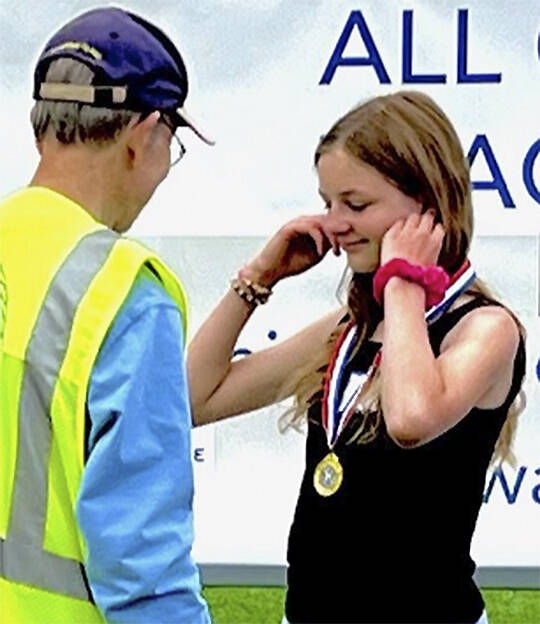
column 317, row 237
column 396, row 227
column 412, row 222
column 299, row 226
column 332, row 239
column 333, row 243
column 438, row 231
column 426, row 220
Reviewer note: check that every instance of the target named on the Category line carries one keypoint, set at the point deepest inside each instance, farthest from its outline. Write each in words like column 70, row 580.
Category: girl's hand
column 296, row 247
column 415, row 239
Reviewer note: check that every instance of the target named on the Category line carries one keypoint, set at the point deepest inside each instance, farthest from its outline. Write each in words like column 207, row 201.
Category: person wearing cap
column 96, row 482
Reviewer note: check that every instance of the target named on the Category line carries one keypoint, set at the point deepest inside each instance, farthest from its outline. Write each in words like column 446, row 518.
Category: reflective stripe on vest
column 22, row 557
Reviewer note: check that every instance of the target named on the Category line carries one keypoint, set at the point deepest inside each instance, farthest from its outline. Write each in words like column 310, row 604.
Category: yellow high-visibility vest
column 63, row 279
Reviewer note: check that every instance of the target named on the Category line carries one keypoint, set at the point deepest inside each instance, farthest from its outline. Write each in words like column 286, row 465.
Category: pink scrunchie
column 433, row 279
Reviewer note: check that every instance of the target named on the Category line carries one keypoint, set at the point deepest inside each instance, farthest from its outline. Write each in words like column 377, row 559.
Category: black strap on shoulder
column 448, row 321
column 441, row 327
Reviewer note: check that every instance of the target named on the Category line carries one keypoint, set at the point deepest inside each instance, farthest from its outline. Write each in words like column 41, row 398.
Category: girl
column 408, row 390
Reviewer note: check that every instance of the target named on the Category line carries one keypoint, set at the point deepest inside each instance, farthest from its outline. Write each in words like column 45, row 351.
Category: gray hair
column 73, row 121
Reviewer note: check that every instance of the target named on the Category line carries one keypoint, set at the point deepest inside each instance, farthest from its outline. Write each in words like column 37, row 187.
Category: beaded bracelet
column 250, row 291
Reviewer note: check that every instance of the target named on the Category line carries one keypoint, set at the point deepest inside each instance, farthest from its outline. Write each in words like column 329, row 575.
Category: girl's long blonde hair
column 408, row 139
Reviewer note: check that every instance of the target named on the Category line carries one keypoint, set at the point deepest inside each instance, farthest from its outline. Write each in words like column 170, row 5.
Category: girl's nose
column 336, row 222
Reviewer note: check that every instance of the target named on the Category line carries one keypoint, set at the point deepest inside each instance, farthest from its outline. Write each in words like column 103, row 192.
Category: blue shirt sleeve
column 135, row 501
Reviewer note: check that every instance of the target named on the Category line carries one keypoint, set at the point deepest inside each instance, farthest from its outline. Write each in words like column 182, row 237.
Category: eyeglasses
column 177, row 147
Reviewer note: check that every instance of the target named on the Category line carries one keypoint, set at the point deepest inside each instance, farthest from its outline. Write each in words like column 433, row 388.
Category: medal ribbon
column 334, row 420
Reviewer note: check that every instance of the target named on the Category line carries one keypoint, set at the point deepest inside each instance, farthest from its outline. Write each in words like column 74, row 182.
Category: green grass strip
column 264, row 605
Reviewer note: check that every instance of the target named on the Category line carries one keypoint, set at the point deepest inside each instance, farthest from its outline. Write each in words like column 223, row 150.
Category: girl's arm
column 220, row 387
column 422, row 395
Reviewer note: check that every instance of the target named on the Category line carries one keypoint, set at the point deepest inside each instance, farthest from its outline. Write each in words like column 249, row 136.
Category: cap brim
column 187, row 120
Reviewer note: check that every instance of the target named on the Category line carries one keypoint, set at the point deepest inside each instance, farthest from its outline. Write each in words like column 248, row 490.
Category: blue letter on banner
column 462, row 75
column 481, row 143
column 407, row 75
column 355, row 19
column 536, row 489
column 528, row 165
column 499, row 474
column 198, row 454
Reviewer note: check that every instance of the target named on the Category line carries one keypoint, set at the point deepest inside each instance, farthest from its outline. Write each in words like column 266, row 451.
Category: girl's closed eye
column 357, row 207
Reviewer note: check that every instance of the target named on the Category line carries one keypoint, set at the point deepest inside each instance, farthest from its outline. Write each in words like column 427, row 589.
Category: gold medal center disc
column 328, row 475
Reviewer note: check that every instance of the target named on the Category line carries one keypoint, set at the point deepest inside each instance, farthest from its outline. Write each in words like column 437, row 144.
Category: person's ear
column 139, row 135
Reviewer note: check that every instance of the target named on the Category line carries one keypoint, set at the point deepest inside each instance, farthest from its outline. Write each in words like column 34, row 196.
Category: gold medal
column 328, row 475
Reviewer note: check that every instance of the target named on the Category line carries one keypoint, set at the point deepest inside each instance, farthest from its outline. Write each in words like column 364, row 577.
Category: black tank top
column 392, row 544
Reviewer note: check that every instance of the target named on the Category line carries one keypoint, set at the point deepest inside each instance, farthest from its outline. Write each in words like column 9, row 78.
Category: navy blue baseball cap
column 136, row 66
